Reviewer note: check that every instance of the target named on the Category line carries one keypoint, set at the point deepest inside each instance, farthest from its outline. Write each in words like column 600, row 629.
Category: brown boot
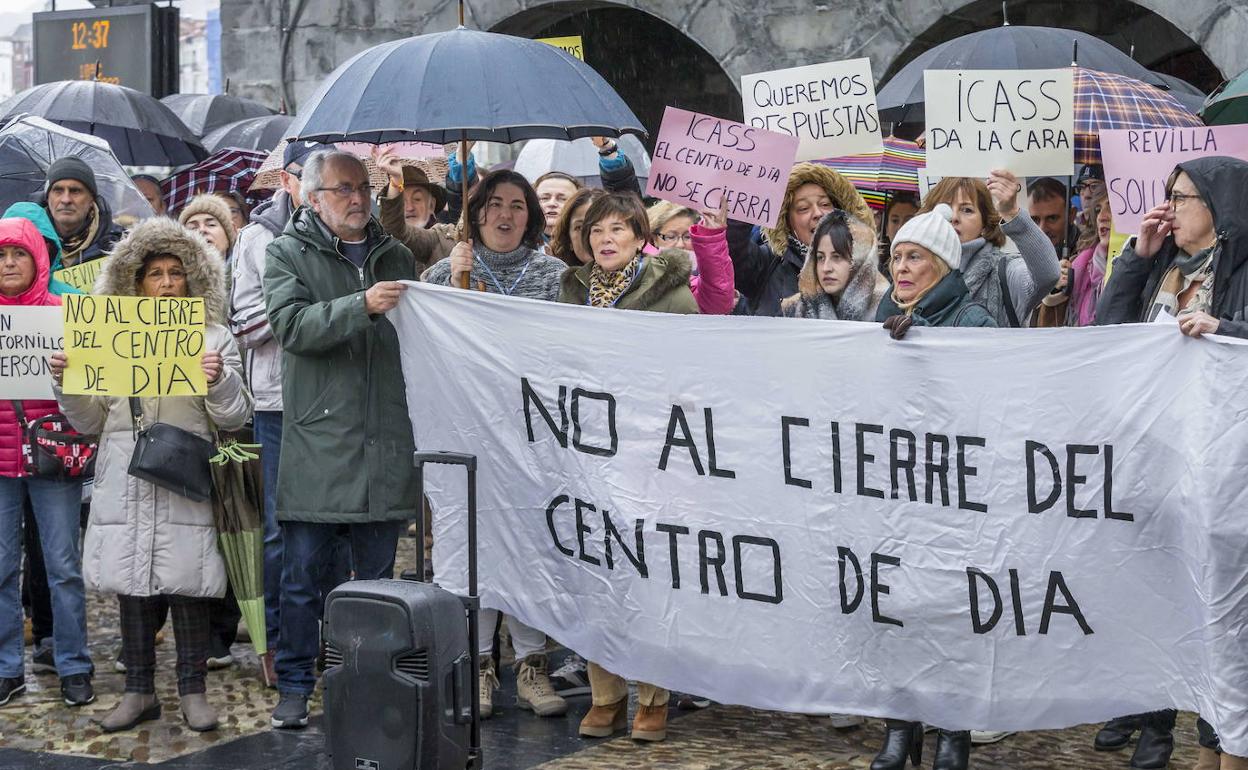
column 604, row 721
column 134, row 709
column 1207, row 759
column 650, row 724
column 1232, row 762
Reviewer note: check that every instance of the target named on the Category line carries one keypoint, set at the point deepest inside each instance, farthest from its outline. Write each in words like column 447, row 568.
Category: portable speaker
column 399, row 677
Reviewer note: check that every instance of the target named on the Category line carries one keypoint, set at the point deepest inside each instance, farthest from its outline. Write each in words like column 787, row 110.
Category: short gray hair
column 314, row 169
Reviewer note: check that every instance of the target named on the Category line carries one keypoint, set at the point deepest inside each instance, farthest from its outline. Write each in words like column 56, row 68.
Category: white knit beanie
column 934, row 232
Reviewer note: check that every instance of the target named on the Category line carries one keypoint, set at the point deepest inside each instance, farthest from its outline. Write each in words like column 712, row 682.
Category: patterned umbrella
column 268, row 177
column 894, row 169
column 225, row 171
column 1104, row 101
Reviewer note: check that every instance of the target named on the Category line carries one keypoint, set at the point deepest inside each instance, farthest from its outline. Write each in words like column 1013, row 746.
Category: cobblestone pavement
column 719, row 738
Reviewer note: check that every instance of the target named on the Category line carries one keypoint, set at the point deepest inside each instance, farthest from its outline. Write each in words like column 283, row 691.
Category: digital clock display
column 113, row 45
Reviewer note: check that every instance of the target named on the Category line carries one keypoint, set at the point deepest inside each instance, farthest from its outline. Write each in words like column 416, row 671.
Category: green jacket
column 39, row 216
column 346, row 440
column 949, row 303
column 662, row 286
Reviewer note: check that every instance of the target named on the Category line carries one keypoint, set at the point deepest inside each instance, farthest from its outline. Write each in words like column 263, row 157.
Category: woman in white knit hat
column 928, row 289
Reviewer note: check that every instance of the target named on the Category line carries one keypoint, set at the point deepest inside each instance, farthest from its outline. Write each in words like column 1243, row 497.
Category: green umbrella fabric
column 1228, row 104
column 237, row 497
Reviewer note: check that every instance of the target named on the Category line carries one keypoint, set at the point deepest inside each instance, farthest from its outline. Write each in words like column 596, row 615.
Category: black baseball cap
column 297, row 152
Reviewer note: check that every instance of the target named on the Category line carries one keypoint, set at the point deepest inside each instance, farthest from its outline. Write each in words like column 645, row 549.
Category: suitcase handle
column 465, row 683
column 445, row 458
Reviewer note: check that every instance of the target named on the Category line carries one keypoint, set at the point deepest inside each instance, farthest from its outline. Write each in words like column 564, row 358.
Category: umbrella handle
column 463, row 173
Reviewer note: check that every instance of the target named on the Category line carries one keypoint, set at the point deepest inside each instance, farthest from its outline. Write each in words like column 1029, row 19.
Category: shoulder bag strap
column 1006, row 300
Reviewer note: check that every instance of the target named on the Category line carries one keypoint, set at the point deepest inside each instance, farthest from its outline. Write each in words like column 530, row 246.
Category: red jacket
column 23, row 233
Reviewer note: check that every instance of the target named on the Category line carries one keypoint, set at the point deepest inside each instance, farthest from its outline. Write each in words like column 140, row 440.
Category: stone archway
column 649, row 61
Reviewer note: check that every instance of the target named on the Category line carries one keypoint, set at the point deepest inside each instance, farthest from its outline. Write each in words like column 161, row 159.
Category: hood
column 18, row 231
column 1222, row 181
column 39, row 216
column 205, row 272
column 838, row 188
column 865, row 255
column 662, row 273
column 274, row 213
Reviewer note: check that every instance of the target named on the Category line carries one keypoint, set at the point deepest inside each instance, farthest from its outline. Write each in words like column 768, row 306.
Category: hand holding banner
column 28, row 335
column 134, row 346
column 829, row 107
column 700, row 159
column 980, row 120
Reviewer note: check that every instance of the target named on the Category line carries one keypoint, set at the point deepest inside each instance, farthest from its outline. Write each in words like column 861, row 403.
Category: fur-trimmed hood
column 663, row 284
column 205, row 271
column 839, row 189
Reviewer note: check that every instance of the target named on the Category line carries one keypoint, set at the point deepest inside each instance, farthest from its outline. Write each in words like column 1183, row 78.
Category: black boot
column 903, row 739
column 1116, row 733
column 953, row 750
column 1156, row 740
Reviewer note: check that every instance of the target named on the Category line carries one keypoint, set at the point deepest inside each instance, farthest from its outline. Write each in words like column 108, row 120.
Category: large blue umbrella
column 463, row 85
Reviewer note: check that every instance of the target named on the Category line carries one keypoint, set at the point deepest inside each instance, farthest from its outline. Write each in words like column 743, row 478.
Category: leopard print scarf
column 605, row 289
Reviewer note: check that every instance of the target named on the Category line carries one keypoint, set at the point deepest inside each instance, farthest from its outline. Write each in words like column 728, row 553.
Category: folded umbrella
column 28, row 147
column 140, row 130
column 225, row 171
column 237, row 502
column 261, row 134
column 203, row 113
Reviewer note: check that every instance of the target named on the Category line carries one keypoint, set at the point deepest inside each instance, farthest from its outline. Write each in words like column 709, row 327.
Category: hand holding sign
column 717, row 219
column 1005, row 189
column 212, row 364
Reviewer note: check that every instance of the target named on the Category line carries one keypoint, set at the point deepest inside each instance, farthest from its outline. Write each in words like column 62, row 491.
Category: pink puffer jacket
column 714, row 286
column 23, row 233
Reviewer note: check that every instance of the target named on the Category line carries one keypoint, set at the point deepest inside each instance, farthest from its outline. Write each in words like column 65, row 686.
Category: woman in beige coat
column 153, row 547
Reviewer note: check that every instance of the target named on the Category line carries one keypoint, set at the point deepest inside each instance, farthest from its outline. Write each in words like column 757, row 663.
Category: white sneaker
column 981, row 737
column 846, row 721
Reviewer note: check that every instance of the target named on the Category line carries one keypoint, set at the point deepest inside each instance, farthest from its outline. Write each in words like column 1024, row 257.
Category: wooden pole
column 463, row 182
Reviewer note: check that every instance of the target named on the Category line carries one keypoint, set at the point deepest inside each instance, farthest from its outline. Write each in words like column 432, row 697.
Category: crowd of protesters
column 296, row 293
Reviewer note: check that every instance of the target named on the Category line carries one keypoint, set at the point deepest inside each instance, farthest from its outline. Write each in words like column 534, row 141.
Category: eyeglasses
column 1180, row 199
column 685, row 237
column 345, row 191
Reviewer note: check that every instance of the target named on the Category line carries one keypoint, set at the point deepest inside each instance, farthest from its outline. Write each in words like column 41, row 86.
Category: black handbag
column 171, row 458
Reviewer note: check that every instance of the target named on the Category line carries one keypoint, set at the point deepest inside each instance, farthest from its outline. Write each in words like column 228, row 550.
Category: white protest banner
column 829, row 107
column 28, row 335
column 1138, row 161
column 1020, row 120
column 813, row 517
column 700, row 159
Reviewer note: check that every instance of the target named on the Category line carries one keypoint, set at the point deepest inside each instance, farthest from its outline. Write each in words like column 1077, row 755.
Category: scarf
column 1089, row 277
column 801, row 248
column 856, row 302
column 605, row 289
column 942, row 269
column 1186, row 271
column 72, row 246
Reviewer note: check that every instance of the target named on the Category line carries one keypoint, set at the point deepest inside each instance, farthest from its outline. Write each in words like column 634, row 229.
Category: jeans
column 268, row 432
column 35, row 581
column 56, row 505
column 308, row 569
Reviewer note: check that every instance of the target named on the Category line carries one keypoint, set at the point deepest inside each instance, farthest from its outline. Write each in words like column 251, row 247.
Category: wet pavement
column 37, row 732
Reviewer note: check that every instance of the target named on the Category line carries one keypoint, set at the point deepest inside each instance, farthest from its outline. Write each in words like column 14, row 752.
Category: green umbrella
column 236, row 506
column 1229, row 103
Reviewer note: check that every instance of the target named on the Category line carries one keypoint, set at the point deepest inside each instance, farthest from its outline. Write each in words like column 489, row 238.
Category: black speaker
column 401, row 663
column 399, row 677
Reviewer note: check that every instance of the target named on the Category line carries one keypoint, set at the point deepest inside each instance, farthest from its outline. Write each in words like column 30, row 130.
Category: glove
column 898, row 325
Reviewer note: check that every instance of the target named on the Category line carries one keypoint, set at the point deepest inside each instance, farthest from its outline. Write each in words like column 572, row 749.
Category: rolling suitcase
column 401, row 663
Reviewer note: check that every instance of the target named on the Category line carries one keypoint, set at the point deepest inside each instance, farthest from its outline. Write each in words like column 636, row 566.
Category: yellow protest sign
column 571, row 44
column 134, row 346
column 1117, row 242
column 81, row 277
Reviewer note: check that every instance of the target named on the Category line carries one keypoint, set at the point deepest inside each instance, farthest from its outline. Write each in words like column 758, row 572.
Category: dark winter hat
column 298, row 152
column 70, row 167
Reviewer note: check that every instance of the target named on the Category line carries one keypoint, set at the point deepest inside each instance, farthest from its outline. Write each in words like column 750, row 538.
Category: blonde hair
column 665, row 211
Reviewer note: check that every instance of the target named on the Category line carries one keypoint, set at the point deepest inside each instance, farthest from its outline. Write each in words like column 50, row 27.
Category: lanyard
column 494, row 279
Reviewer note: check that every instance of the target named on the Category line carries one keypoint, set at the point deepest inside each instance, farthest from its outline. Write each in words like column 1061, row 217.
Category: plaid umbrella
column 268, row 177
column 1104, row 101
column 895, row 168
column 236, row 512
column 225, row 171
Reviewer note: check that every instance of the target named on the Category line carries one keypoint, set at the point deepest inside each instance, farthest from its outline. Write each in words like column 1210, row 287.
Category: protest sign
column 81, row 277
column 829, row 107
column 830, row 541
column 134, row 346
column 1138, row 161
column 571, row 44
column 1020, row 120
column 28, row 335
column 700, row 159
column 926, row 182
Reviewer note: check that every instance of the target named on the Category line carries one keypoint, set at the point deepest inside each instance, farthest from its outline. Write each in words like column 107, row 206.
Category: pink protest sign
column 700, row 159
column 404, row 149
column 1139, row 160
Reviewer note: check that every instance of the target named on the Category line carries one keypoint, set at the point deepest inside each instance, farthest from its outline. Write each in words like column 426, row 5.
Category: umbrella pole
column 463, row 173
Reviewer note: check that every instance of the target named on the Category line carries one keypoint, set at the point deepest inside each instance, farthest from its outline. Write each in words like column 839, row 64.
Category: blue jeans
column 309, row 565
column 269, row 437
column 56, row 505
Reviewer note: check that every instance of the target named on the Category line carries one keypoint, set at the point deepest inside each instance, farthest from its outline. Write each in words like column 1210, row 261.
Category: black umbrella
column 1003, row 48
column 1183, row 92
column 204, row 113
column 263, row 134
column 463, row 85
column 141, row 130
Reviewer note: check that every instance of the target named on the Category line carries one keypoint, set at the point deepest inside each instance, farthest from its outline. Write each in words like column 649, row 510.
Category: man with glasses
column 345, row 476
column 250, row 323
